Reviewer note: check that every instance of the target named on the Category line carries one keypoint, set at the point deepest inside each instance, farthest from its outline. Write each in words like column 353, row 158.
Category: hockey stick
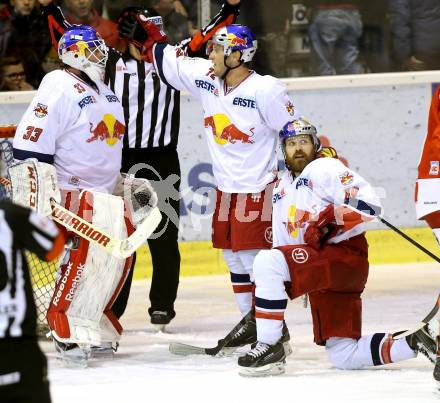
column 423, row 323
column 409, row 239
column 119, row 248
column 187, row 349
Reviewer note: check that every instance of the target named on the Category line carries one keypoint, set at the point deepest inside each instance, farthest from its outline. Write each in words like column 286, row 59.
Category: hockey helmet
column 83, row 48
column 297, row 128
column 237, row 37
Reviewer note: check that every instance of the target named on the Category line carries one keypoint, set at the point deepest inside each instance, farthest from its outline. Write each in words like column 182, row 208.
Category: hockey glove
column 33, row 232
column 327, row 152
column 141, row 31
column 324, row 228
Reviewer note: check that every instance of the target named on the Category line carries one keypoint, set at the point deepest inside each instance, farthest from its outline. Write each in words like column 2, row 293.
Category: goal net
column 43, row 274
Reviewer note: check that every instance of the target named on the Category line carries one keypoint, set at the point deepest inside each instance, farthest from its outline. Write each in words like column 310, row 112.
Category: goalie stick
column 119, row 248
column 188, row 349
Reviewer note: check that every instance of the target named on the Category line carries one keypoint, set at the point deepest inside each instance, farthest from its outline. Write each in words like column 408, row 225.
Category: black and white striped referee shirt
column 151, row 109
column 21, row 229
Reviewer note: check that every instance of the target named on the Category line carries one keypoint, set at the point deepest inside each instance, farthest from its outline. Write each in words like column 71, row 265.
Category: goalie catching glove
column 143, row 28
column 139, row 195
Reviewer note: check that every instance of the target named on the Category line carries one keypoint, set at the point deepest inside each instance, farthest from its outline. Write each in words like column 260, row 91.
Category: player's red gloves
column 322, row 229
column 141, row 31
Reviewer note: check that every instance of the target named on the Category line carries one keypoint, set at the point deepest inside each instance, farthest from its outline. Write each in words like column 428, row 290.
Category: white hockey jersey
column 75, row 127
column 324, row 181
column 241, row 126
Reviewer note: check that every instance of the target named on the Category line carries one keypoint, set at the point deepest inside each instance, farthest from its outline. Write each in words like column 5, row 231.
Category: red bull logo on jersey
column 290, row 108
column 109, row 129
column 346, row 178
column 224, row 131
column 40, row 110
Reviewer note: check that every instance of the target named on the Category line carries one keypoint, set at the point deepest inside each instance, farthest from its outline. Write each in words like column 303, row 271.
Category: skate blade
column 159, row 328
column 287, row 348
column 277, row 368
column 99, row 354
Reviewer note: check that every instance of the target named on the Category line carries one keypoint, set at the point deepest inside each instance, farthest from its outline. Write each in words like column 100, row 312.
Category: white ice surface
column 143, row 370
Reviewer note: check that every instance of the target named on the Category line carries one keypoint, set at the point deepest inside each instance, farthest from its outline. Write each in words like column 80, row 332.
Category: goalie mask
column 82, row 48
column 236, row 37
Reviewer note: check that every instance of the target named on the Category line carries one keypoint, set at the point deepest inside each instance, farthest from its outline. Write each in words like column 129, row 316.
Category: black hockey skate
column 263, row 360
column 423, row 341
column 72, row 354
column 245, row 335
column 285, row 340
column 436, row 373
column 159, row 319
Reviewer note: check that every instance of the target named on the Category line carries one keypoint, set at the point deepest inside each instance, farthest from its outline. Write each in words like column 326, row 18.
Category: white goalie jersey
column 241, row 126
column 75, row 127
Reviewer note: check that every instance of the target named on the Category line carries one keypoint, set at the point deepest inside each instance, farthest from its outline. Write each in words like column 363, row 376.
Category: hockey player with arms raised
column 243, row 112
column 319, row 212
column 71, row 137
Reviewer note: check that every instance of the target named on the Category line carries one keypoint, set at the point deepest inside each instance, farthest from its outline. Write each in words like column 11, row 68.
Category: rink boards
column 377, row 122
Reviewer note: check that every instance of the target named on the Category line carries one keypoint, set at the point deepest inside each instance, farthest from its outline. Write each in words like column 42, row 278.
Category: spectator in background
column 415, row 32
column 174, row 18
column 335, row 32
column 192, row 10
column 269, row 21
column 375, row 36
column 82, row 12
column 24, row 34
column 12, row 75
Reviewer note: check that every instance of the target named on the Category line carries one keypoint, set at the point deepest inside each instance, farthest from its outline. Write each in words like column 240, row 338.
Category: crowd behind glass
column 295, row 38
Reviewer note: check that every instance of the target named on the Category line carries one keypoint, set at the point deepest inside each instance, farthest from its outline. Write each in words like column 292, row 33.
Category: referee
column 23, row 367
column 152, row 118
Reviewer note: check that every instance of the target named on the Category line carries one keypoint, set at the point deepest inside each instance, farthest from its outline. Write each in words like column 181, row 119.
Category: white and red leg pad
column 90, row 281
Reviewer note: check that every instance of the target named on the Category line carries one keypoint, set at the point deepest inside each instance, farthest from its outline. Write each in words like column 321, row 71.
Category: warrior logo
column 268, row 235
column 300, row 255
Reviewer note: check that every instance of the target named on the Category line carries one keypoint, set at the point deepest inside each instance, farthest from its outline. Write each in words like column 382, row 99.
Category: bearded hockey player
column 71, row 137
column 319, row 212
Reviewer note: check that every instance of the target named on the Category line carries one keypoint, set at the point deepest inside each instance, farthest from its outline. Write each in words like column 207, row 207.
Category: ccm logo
column 32, row 187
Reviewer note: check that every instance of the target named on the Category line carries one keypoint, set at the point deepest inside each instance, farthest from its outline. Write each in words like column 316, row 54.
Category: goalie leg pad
column 80, row 307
